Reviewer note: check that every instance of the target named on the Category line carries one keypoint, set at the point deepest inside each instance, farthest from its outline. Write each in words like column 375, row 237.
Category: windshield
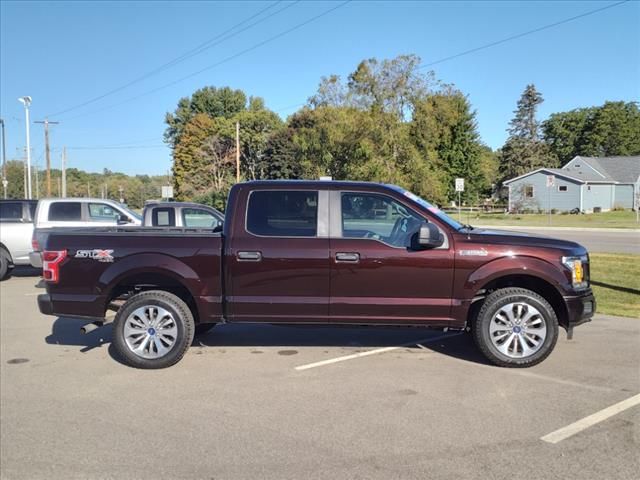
column 431, row 208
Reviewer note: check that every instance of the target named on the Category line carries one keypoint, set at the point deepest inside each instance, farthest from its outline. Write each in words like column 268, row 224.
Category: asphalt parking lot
column 281, row 402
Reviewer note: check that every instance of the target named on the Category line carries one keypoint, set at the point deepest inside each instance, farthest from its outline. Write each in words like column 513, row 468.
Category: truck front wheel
column 515, row 327
column 153, row 329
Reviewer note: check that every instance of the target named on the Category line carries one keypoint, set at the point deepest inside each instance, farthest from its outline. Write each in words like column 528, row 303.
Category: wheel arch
column 150, row 272
column 532, row 282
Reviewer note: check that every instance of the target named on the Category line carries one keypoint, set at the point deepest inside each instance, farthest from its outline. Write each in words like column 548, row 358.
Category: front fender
column 518, row 265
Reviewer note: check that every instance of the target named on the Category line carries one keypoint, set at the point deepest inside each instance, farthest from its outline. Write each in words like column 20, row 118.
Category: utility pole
column 237, row 151
column 64, row 172
column 59, row 190
column 46, row 124
column 5, row 182
column 35, row 166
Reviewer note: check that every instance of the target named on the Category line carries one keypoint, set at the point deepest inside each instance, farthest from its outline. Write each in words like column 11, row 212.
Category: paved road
column 596, row 241
column 237, row 408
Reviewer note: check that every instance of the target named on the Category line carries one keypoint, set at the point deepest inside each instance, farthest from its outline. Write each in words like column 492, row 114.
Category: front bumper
column 580, row 308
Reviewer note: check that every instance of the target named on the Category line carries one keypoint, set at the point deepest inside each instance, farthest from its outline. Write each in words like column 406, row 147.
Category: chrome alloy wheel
column 518, row 330
column 150, row 332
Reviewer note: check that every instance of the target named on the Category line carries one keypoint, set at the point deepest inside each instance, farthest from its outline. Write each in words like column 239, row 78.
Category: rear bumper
column 580, row 308
column 44, row 304
column 75, row 306
column 35, row 259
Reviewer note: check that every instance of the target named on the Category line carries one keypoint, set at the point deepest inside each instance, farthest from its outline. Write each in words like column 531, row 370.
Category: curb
column 560, row 229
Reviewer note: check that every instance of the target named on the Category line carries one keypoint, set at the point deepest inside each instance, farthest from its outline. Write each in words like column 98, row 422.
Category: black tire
column 492, row 305
column 178, row 310
column 5, row 264
column 203, row 328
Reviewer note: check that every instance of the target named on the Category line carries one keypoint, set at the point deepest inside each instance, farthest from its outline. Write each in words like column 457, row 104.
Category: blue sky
column 65, row 53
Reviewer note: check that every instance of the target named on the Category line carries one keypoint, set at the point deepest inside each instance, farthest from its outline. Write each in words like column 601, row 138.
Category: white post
column 64, row 172
column 26, row 110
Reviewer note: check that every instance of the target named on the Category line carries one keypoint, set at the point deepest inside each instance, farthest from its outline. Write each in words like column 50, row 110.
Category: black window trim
column 322, row 229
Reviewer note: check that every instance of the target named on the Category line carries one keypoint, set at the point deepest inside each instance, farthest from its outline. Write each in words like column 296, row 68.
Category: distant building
column 585, row 183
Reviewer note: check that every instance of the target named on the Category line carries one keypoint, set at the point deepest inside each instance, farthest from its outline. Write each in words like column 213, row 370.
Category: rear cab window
column 65, row 212
column 10, row 211
column 163, row 217
column 283, row 213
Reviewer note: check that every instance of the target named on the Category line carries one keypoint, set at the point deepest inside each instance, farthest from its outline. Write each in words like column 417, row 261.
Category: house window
column 562, row 188
column 528, row 191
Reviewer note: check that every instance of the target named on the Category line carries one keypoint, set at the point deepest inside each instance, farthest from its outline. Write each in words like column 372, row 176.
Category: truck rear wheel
column 5, row 264
column 153, row 329
column 515, row 327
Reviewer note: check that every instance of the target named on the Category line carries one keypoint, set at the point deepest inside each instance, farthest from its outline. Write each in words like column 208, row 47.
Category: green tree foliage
column 214, row 102
column 136, row 190
column 280, row 160
column 608, row 130
column 524, row 150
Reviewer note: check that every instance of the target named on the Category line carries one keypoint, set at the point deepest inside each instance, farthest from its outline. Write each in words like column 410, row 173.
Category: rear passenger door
column 278, row 261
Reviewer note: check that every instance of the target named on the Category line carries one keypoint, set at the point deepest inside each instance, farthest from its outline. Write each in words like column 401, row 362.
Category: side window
column 101, row 212
column 32, row 210
column 198, row 218
column 10, row 210
column 163, row 217
column 378, row 217
column 65, row 212
column 528, row 191
column 277, row 213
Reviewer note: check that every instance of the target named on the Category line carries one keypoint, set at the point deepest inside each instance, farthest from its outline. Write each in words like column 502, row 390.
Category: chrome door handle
column 350, row 257
column 249, row 256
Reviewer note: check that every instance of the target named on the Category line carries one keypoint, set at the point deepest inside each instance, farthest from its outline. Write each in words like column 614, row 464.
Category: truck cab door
column 376, row 275
column 278, row 258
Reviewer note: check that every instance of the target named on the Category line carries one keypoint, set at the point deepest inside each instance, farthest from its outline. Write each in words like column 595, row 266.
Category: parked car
column 77, row 212
column 16, row 229
column 311, row 252
column 181, row 214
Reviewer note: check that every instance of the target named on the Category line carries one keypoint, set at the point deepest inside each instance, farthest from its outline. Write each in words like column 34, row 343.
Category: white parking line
column 586, row 422
column 373, row 352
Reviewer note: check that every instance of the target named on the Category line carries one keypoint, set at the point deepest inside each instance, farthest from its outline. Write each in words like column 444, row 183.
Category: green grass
column 620, row 219
column 615, row 279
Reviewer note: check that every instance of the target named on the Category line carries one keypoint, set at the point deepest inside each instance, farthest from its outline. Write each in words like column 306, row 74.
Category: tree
column 280, row 160
column 524, row 150
column 211, row 101
column 445, row 131
column 188, row 161
column 608, row 130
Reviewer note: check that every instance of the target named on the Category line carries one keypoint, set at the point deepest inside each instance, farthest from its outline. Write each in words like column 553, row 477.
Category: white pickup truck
column 16, row 229
column 74, row 213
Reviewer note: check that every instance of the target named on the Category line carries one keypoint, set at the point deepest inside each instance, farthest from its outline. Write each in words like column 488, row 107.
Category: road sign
column 459, row 184
column 551, row 180
column 167, row 192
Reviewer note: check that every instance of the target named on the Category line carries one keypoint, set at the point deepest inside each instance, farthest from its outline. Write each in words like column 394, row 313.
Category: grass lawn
column 615, row 279
column 622, row 219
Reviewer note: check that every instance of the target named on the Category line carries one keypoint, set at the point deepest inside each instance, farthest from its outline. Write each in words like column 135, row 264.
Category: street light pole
column 5, row 182
column 26, row 101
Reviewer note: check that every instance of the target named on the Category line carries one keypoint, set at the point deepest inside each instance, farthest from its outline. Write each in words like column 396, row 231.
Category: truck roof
column 315, row 183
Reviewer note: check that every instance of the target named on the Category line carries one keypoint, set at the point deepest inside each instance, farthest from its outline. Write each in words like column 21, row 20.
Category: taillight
column 51, row 265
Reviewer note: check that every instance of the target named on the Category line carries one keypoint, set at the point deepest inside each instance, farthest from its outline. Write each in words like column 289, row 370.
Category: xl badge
column 97, row 254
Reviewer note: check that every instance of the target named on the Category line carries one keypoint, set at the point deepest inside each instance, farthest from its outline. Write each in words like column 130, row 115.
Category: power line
column 212, row 42
column 225, row 60
column 520, row 35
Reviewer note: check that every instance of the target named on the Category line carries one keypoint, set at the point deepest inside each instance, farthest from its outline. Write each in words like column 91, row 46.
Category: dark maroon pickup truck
column 315, row 252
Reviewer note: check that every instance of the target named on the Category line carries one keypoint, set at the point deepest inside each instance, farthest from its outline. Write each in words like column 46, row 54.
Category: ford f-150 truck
column 320, row 252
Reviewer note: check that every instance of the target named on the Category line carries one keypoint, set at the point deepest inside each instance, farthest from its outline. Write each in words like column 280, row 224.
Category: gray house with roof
column 585, row 183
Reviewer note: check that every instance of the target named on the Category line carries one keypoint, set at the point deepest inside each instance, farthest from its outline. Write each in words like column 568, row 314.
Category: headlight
column 577, row 266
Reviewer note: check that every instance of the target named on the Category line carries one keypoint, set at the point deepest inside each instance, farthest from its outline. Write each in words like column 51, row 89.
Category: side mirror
column 123, row 220
column 428, row 236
